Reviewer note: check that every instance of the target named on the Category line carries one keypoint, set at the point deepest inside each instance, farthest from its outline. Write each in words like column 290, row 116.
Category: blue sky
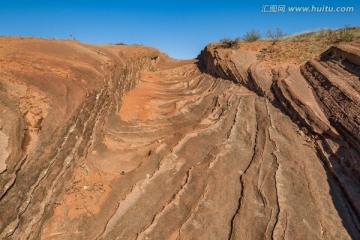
column 179, row 28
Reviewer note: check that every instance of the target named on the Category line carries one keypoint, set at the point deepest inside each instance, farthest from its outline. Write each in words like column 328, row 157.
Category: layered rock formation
column 321, row 96
column 122, row 142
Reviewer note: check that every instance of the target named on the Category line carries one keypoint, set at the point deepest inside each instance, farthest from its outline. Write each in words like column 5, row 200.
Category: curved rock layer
column 322, row 97
column 122, row 142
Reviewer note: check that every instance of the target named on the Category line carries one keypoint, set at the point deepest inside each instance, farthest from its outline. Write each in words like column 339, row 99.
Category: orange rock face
column 122, row 142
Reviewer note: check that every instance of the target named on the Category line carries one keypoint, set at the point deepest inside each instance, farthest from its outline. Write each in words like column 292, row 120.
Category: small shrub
column 322, row 34
column 120, row 43
column 312, row 48
column 72, row 37
column 230, row 43
column 277, row 34
column 251, row 36
column 346, row 34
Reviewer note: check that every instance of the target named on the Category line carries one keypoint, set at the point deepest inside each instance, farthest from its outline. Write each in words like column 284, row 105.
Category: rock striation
column 123, row 142
column 321, row 97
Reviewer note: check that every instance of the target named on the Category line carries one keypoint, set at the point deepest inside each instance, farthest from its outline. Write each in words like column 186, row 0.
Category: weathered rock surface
column 322, row 96
column 335, row 78
column 122, row 142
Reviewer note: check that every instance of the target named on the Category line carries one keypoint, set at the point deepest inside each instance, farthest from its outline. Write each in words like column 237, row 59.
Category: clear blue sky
column 179, row 28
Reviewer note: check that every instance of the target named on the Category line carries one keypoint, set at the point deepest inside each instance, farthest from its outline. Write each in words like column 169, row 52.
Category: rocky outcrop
column 122, row 142
column 322, row 95
column 227, row 63
column 335, row 79
column 239, row 66
column 298, row 99
column 53, row 94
